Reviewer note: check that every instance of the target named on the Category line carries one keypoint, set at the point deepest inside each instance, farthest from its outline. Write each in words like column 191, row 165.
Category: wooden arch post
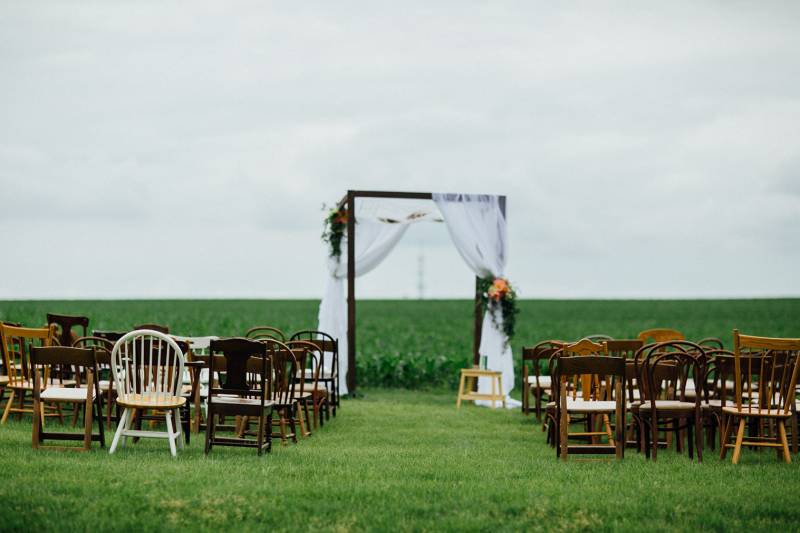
column 350, row 200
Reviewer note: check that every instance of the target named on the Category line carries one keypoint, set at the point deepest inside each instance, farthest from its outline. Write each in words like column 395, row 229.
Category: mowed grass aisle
column 393, row 460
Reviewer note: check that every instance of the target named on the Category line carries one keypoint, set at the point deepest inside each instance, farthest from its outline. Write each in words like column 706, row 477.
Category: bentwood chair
column 265, row 332
column 311, row 391
column 765, row 379
column 657, row 335
column 239, row 394
column 64, row 326
column 536, row 385
column 148, row 368
column 16, row 344
column 328, row 362
column 664, row 373
column 83, row 360
column 283, row 370
column 105, row 383
column 626, row 349
column 602, row 386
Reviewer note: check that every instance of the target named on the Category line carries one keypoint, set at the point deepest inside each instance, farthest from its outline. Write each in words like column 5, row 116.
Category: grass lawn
column 393, row 460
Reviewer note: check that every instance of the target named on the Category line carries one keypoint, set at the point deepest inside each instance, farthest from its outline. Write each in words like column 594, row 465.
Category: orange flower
column 501, row 284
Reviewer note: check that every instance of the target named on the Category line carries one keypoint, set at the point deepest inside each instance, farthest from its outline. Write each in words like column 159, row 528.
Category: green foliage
column 333, row 230
column 391, row 461
column 506, row 307
column 422, row 344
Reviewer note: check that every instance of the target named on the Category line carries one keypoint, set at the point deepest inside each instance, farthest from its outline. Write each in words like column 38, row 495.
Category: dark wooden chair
column 88, row 395
column 626, row 349
column 766, row 371
column 309, row 391
column 265, row 332
column 112, row 336
column 535, row 384
column 328, row 362
column 716, row 394
column 602, row 386
column 282, row 388
column 154, row 327
column 238, row 394
column 105, row 382
column 64, row 326
column 711, row 343
column 664, row 373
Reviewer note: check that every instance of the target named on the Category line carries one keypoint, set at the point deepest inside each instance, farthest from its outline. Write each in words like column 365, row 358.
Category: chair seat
column 323, row 374
column 712, row 403
column 306, row 394
column 104, row 384
column 150, row 401
column 668, row 405
column 238, row 400
column 3, row 380
column 589, row 406
column 772, row 413
column 64, row 394
column 586, row 406
column 544, row 381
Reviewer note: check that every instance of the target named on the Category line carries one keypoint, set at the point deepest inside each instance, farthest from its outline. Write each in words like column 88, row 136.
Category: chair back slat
column 147, row 363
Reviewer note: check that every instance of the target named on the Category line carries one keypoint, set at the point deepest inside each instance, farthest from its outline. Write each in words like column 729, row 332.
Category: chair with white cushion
column 536, row 385
column 87, row 393
column 590, row 384
column 148, row 371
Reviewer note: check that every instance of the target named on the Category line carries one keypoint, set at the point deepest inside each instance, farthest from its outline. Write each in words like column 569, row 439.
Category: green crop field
column 401, row 460
column 422, row 344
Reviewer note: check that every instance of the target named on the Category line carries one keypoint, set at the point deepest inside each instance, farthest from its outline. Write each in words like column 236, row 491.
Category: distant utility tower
column 421, row 275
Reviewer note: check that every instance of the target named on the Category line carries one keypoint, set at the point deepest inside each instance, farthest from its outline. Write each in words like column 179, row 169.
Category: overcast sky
column 159, row 149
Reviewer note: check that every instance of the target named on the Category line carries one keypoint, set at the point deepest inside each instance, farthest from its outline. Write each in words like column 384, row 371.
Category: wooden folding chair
column 84, row 362
column 602, row 383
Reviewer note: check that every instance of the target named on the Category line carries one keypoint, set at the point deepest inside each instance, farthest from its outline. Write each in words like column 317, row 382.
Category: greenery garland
column 498, row 295
column 334, row 228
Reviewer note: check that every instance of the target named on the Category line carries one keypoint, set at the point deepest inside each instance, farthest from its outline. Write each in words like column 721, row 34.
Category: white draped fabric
column 477, row 227
column 379, row 227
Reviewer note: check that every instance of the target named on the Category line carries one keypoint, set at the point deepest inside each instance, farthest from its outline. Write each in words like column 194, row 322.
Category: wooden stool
column 468, row 375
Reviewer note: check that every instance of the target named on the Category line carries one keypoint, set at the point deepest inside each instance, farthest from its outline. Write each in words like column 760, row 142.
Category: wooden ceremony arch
column 349, row 201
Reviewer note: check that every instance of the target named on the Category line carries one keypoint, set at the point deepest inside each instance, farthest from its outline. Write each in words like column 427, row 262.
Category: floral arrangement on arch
column 499, row 296
column 334, row 227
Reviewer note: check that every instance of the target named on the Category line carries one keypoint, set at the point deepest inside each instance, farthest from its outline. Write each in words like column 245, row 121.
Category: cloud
column 619, row 133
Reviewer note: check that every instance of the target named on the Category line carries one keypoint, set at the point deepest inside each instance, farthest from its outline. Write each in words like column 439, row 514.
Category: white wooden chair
column 148, row 371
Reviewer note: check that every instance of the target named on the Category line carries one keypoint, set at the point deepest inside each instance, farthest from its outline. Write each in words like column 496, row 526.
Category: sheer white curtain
column 374, row 241
column 477, row 227
column 380, row 224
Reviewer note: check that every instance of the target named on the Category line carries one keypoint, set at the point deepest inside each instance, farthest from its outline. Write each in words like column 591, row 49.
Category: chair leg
column 794, row 433
column 120, row 428
column 725, row 427
column 210, row 427
column 178, row 427
column 737, row 450
column 172, row 436
column 37, row 423
column 87, row 423
column 784, row 443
